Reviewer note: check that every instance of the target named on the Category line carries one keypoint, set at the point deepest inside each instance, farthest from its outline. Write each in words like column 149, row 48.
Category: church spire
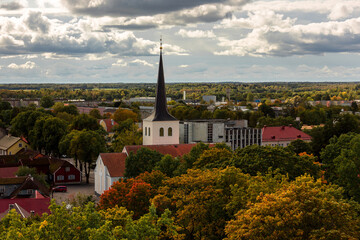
column 161, row 113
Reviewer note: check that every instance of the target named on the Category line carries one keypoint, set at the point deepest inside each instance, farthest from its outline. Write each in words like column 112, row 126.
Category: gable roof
column 174, row 150
column 109, row 124
column 7, row 141
column 115, row 163
column 25, row 205
column 12, row 180
column 30, row 183
column 8, row 172
column 283, row 133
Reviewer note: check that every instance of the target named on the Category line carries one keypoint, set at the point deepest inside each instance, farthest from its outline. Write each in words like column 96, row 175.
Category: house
column 58, row 171
column 63, row 172
column 282, row 136
column 22, row 187
column 110, row 167
column 8, row 172
column 10, row 145
column 26, row 207
column 108, row 124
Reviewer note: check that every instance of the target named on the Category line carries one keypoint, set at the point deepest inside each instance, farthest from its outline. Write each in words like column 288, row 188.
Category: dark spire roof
column 161, row 113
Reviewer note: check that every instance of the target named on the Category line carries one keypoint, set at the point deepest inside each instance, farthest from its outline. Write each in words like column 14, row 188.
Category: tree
column 122, row 114
column 303, row 209
column 52, row 132
column 213, row 158
column 256, row 159
column 85, row 145
column 341, row 159
column 47, row 101
column 300, row 146
column 95, row 113
column 278, row 121
column 84, row 121
column 167, row 165
column 24, row 122
column 128, row 136
column 26, row 171
column 354, row 107
column 266, row 110
column 144, row 160
column 134, row 194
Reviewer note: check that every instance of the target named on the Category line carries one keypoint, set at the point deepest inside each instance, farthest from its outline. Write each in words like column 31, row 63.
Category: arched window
column 169, row 131
column 149, row 132
column 145, row 131
column 161, row 132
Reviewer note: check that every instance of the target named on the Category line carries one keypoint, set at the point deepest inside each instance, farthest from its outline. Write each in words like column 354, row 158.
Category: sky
column 111, row 41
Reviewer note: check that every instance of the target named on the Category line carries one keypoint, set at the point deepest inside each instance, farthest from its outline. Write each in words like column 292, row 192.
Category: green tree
column 122, row 114
column 144, row 160
column 86, row 145
column 300, row 146
column 214, row 158
column 84, row 121
column 129, row 135
column 24, row 122
column 47, row 101
column 256, row 159
column 304, row 209
column 26, row 171
column 167, row 165
column 95, row 113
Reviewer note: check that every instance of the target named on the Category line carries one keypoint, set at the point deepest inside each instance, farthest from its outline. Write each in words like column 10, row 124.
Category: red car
column 60, row 189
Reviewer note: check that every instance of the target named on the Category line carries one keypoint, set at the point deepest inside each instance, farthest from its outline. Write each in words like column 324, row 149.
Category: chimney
column 283, row 127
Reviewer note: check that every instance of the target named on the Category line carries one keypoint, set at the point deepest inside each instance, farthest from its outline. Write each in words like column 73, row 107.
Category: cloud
column 36, row 34
column 340, row 11
column 35, row 21
column 27, row 65
column 183, row 66
column 11, row 6
column 314, row 38
column 141, row 62
column 196, row 34
column 100, row 8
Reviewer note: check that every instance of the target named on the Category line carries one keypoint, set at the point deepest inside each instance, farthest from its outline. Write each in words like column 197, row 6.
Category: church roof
column 161, row 113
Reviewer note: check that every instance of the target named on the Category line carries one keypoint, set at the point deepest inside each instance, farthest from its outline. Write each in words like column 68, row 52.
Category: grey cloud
column 11, row 6
column 133, row 7
column 35, row 21
column 132, row 26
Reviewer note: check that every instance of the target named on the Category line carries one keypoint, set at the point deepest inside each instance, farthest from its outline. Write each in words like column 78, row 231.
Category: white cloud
column 183, row 66
column 120, row 63
column 142, row 62
column 314, row 38
column 27, row 65
column 196, row 34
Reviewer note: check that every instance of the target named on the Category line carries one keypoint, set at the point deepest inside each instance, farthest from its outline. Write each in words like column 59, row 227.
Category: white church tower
column 160, row 127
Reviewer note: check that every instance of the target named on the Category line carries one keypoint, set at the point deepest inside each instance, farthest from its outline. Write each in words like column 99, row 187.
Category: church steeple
column 160, row 127
column 161, row 113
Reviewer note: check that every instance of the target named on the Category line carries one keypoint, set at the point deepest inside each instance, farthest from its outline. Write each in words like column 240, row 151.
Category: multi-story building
column 235, row 133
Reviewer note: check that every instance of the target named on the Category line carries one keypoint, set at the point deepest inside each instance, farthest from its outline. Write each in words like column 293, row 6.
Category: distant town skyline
column 109, row 41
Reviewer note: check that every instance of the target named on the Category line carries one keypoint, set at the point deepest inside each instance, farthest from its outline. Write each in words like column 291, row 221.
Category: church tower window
column 169, row 131
column 161, row 132
column 145, row 131
column 149, row 132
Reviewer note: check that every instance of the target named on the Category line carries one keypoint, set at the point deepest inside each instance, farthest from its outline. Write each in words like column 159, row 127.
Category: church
column 160, row 127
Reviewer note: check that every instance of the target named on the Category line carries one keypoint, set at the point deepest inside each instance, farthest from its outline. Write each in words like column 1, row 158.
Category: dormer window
column 170, row 131
column 161, row 132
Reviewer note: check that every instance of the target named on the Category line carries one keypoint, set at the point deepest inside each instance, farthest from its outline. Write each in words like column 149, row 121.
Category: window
column 2, row 189
column 169, row 131
column 149, row 132
column 161, row 132
column 71, row 177
column 67, row 169
column 60, row 178
column 20, row 144
column 145, row 131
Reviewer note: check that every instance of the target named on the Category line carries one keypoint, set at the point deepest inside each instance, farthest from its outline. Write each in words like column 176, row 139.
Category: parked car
column 60, row 189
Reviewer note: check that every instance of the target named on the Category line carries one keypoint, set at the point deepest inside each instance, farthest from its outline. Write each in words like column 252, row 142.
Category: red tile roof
column 110, row 123
column 115, row 163
column 174, row 150
column 39, row 206
column 283, row 133
column 8, row 172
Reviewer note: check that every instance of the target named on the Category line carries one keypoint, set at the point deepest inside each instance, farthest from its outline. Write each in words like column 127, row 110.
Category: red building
column 64, row 172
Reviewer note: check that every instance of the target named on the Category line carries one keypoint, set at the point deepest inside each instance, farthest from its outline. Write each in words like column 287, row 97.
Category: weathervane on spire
column 161, row 44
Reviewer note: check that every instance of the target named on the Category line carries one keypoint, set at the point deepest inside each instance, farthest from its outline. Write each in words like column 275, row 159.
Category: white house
column 110, row 167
